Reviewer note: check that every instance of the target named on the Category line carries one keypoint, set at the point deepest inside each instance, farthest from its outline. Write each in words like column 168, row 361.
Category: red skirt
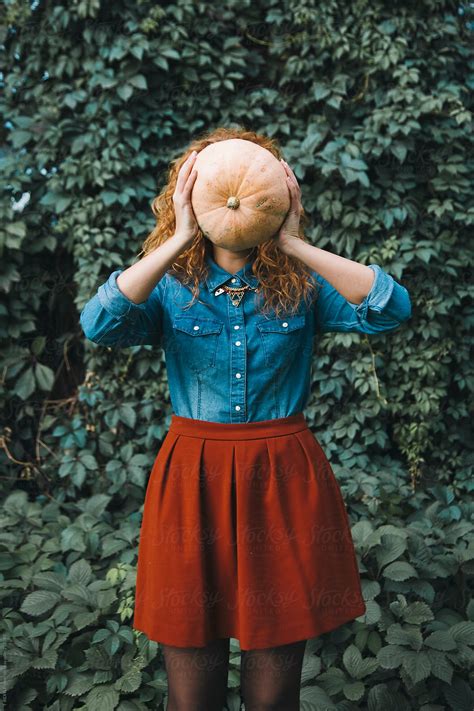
column 244, row 534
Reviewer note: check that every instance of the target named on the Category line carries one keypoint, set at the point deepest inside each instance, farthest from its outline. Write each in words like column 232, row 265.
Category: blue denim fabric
column 229, row 363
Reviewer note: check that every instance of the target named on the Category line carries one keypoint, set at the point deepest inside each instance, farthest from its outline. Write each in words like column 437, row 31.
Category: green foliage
column 373, row 109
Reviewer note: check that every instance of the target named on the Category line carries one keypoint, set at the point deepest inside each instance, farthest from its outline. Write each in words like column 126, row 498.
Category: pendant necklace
column 236, row 293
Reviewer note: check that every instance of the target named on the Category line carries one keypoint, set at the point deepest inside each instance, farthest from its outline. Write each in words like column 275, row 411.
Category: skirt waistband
column 238, row 430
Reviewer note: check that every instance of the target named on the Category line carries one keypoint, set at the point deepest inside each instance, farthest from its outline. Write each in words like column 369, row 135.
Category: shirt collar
column 217, row 275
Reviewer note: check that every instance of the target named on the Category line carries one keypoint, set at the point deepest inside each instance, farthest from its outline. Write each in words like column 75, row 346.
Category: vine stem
column 374, row 372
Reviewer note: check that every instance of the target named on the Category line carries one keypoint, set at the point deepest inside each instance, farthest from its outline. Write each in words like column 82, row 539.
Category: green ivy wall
column 372, row 105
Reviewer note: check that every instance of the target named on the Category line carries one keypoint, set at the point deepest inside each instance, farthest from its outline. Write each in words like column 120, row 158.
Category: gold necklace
column 236, row 293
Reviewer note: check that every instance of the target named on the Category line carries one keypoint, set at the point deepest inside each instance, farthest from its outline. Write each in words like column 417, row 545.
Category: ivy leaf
column 79, row 684
column 102, row 698
column 62, row 203
column 417, row 665
column 127, row 415
column 441, row 640
column 125, row 92
column 417, row 613
column 354, row 691
column 138, row 81
column 400, row 570
column 20, row 138
column 80, row 572
column 39, row 602
column 463, row 632
column 44, row 377
column 47, row 661
column 25, row 384
column 129, row 682
column 391, row 656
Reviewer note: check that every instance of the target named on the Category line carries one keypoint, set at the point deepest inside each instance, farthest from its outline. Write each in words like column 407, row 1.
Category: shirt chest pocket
column 281, row 338
column 196, row 341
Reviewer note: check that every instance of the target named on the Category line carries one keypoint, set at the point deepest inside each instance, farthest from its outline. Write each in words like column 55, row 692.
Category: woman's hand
column 289, row 231
column 186, row 223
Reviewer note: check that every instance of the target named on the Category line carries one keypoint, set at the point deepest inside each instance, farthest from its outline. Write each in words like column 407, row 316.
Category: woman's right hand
column 186, row 223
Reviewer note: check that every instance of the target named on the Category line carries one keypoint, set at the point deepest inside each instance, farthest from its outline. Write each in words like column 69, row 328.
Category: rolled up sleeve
column 111, row 318
column 385, row 308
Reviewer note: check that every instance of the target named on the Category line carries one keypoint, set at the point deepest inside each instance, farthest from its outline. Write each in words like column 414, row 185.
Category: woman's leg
column 197, row 676
column 271, row 678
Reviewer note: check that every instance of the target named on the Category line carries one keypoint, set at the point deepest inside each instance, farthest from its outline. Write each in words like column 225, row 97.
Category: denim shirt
column 229, row 363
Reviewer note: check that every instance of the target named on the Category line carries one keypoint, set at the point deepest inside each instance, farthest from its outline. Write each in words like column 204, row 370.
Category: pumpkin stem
column 233, row 203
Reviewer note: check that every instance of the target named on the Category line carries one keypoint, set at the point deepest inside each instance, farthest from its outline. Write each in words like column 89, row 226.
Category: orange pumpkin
column 240, row 196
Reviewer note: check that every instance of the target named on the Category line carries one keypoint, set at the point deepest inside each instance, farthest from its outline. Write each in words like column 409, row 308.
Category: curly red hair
column 283, row 280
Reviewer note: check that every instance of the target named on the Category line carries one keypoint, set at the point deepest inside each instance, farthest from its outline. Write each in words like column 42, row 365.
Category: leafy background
column 372, row 104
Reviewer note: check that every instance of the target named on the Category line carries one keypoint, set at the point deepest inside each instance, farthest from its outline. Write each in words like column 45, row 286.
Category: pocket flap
column 197, row 326
column 282, row 325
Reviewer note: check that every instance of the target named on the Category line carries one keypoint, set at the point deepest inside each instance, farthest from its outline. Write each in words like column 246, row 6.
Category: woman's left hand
column 289, row 231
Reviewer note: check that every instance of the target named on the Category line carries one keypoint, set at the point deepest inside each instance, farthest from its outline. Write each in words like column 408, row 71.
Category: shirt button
column 196, row 328
column 237, row 343
column 284, row 324
column 236, row 327
column 238, row 375
column 237, row 407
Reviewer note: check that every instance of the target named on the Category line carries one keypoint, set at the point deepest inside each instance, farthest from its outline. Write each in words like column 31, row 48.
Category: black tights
column 197, row 677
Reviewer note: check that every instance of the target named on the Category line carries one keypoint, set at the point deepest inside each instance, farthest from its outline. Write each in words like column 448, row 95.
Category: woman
column 244, row 532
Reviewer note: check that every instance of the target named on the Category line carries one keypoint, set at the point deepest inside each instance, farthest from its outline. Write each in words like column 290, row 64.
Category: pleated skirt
column 244, row 534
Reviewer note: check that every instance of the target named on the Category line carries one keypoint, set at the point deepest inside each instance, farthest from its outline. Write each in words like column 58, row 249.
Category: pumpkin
column 240, row 196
